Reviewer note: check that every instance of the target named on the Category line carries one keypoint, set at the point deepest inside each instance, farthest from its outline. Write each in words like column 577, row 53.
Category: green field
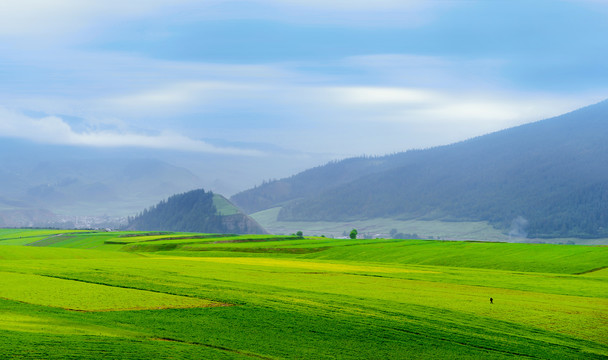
column 138, row 295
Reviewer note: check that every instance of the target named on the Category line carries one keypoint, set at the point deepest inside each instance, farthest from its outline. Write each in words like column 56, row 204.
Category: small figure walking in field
column 491, row 301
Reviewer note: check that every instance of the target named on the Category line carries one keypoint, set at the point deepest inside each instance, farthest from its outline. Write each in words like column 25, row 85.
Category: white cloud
column 395, row 101
column 377, row 95
column 368, row 95
column 131, row 88
column 421, row 105
column 52, row 18
column 54, row 130
column 178, row 98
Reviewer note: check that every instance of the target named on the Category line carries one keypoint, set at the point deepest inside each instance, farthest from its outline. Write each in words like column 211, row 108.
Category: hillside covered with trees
column 544, row 179
column 195, row 211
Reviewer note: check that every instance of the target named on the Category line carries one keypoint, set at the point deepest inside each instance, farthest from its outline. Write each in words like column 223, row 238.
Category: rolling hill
column 543, row 179
column 195, row 211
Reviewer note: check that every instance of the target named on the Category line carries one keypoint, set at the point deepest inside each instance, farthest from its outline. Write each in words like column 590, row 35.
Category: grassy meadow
column 139, row 295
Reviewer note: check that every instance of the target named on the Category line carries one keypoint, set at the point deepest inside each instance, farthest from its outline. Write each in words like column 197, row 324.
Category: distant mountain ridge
column 550, row 178
column 58, row 185
column 195, row 211
column 43, row 185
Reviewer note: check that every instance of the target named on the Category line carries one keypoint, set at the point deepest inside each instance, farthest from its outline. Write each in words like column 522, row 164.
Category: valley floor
column 424, row 229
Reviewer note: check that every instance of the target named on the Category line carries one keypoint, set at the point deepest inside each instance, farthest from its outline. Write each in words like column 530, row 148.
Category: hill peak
column 195, row 211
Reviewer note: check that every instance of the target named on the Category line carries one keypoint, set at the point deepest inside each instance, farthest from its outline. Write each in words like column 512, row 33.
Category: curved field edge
column 84, row 296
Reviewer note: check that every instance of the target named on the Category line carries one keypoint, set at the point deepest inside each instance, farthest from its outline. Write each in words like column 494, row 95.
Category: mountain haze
column 546, row 179
column 45, row 185
column 68, row 186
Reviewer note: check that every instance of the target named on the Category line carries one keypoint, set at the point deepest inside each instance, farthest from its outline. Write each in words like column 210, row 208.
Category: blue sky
column 328, row 79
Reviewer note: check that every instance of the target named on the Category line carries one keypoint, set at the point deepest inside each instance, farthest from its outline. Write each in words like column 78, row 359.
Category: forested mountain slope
column 195, row 211
column 551, row 177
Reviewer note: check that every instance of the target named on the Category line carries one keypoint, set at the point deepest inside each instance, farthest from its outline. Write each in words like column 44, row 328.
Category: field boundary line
column 221, row 303
column 213, row 347
column 592, row 270
column 459, row 342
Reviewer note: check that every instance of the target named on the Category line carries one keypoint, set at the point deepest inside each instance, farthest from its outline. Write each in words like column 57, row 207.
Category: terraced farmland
column 149, row 295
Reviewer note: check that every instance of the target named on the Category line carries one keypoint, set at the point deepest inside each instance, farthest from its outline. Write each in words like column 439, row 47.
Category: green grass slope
column 223, row 206
column 504, row 256
column 11, row 252
column 313, row 298
column 565, row 259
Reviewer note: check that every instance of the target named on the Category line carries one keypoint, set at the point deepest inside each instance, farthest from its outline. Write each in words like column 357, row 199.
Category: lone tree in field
column 353, row 234
column 300, row 234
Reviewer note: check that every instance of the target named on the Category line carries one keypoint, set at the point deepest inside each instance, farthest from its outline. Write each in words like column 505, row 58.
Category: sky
column 329, row 79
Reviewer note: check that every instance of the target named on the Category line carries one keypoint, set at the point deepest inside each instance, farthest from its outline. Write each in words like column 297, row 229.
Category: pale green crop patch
column 46, row 253
column 24, row 233
column 84, row 296
column 13, row 321
column 302, row 265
